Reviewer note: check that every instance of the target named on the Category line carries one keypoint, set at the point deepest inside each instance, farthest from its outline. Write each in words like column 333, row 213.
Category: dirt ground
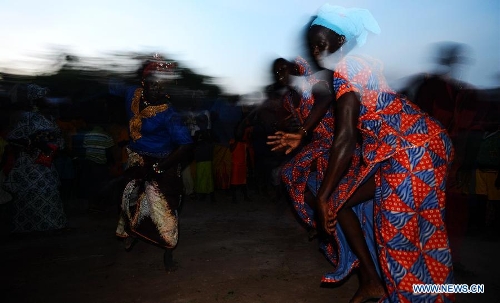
column 245, row 252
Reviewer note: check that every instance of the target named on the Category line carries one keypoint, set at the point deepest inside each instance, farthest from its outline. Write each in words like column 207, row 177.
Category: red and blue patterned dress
column 410, row 153
column 298, row 170
column 305, row 171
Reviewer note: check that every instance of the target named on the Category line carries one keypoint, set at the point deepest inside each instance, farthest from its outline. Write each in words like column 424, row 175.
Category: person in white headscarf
column 388, row 155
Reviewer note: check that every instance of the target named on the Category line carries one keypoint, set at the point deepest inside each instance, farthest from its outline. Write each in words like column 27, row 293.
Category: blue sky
column 236, row 40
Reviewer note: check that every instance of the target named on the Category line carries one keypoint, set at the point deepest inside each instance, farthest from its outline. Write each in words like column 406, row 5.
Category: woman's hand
column 284, row 140
column 325, row 216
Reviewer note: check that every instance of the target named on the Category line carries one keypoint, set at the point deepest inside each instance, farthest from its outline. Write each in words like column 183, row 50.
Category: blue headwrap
column 349, row 22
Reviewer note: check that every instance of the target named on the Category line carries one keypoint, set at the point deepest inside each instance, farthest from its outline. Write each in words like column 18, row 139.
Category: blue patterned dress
column 38, row 205
column 410, row 154
column 305, row 171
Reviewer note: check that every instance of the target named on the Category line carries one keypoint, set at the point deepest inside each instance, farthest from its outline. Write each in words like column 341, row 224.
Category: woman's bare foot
column 369, row 291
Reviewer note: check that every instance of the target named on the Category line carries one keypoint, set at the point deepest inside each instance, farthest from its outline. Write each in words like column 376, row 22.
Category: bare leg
column 370, row 284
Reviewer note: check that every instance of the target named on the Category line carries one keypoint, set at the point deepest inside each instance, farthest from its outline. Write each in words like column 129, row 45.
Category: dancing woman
column 386, row 149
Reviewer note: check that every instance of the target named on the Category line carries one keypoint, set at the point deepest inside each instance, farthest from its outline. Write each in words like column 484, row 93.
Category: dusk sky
column 236, row 41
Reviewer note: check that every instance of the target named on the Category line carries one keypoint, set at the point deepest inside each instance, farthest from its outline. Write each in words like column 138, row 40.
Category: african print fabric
column 305, row 171
column 414, row 153
column 149, row 207
column 37, row 205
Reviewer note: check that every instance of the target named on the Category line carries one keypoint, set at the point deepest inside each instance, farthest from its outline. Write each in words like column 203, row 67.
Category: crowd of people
column 383, row 178
column 143, row 162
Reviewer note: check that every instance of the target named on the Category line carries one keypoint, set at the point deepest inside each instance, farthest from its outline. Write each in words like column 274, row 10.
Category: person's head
column 324, row 42
column 36, row 97
column 155, row 89
column 158, row 76
column 336, row 28
column 282, row 69
column 452, row 58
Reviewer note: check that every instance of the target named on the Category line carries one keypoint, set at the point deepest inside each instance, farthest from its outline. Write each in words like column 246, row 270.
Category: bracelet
column 303, row 130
